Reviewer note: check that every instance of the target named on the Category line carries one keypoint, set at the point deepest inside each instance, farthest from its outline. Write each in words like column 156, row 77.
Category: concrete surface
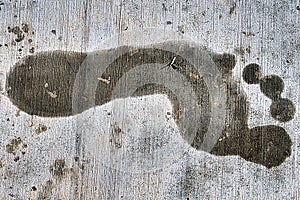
column 43, row 157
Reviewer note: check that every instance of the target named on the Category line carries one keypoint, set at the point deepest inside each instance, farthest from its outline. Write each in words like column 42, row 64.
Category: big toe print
column 209, row 107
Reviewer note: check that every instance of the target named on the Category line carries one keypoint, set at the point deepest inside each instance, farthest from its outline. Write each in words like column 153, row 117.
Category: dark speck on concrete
column 41, row 128
column 248, row 33
column 116, row 135
column 25, row 28
column 232, row 9
column 17, row 158
column 169, row 22
column 46, row 191
column 13, row 145
column 1, row 4
column 31, row 50
column 164, row 7
column 53, row 31
column 18, row 32
column 14, row 30
column 181, row 29
column 58, row 168
column 117, row 129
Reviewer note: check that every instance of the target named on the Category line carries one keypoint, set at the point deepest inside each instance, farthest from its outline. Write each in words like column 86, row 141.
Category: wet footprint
column 58, row 84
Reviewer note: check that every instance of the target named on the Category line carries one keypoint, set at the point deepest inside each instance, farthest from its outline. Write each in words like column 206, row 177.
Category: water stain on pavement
column 42, row 84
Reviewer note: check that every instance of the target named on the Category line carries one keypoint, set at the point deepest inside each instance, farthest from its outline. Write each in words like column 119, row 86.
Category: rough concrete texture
column 136, row 148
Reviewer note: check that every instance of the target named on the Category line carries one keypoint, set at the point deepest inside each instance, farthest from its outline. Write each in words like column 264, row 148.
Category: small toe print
column 252, row 73
column 282, row 110
column 272, row 86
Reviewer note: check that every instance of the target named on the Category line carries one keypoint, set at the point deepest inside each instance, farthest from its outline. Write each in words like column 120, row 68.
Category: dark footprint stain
column 42, row 84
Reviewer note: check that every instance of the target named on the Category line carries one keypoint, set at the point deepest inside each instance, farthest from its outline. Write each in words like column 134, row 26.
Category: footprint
column 209, row 107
